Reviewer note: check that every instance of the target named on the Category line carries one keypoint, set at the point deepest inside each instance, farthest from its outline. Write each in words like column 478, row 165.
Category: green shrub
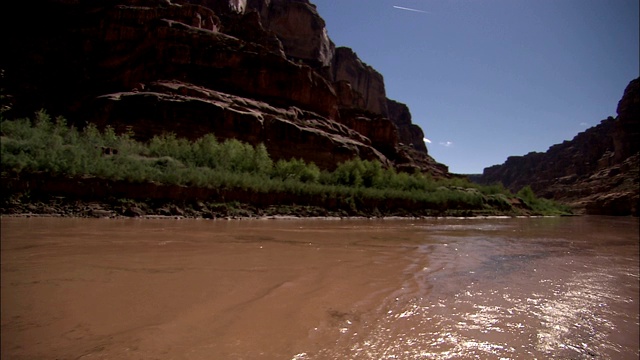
column 527, row 195
column 296, row 170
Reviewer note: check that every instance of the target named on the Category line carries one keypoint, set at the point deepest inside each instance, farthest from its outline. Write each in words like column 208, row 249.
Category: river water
column 516, row 288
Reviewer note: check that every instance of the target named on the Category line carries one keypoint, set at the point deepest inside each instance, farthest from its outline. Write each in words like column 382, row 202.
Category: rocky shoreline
column 91, row 197
column 139, row 209
column 42, row 194
column 62, row 207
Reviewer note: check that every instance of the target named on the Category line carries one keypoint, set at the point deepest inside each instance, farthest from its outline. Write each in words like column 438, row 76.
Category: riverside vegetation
column 46, row 148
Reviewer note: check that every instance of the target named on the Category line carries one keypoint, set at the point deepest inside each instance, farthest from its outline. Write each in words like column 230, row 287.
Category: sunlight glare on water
column 476, row 297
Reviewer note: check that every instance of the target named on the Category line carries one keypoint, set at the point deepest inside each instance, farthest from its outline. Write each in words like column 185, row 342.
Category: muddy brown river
column 530, row 288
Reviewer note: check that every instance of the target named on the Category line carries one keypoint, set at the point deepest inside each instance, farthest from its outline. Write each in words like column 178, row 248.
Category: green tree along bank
column 230, row 174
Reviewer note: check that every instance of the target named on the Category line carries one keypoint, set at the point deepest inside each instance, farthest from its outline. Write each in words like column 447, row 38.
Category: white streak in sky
column 410, row 9
column 427, row 140
column 447, row 144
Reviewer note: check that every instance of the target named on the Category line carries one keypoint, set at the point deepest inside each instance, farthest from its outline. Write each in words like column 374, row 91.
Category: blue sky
column 488, row 79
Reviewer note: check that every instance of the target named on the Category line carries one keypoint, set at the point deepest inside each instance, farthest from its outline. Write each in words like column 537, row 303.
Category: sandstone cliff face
column 626, row 135
column 597, row 172
column 299, row 27
column 363, row 79
column 364, row 107
column 408, row 133
column 257, row 70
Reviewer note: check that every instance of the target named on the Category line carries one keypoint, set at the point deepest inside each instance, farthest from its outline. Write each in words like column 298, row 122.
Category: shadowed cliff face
column 363, row 79
column 597, row 172
column 263, row 71
column 299, row 27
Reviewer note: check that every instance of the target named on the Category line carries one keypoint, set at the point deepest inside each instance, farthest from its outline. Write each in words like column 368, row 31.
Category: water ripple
column 557, row 313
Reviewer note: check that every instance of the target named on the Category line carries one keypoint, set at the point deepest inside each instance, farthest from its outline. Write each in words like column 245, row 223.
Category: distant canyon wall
column 597, row 171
